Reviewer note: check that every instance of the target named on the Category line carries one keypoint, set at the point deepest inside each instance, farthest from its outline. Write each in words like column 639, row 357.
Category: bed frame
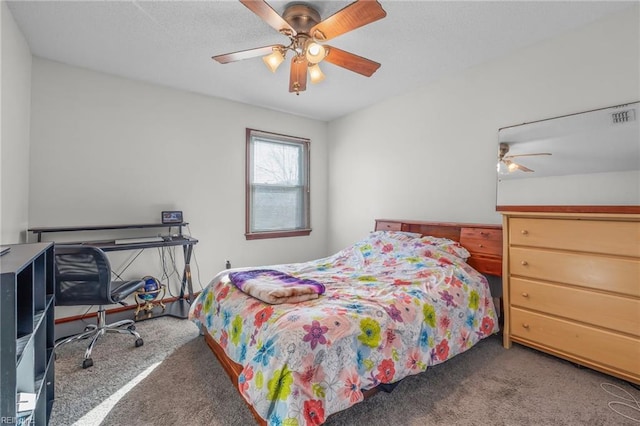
column 484, row 243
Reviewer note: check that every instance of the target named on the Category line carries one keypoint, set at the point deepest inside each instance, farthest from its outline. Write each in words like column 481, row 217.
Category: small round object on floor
column 88, row 362
column 139, row 342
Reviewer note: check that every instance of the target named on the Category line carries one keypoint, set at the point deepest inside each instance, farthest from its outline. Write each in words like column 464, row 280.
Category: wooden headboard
column 484, row 242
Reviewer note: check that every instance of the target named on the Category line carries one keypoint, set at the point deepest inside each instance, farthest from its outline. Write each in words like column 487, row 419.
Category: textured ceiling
column 171, row 43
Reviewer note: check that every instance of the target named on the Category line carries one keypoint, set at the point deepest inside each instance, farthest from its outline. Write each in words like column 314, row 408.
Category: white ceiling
column 171, row 43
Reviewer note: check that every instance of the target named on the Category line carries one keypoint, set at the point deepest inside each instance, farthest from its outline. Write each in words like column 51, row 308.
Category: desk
column 179, row 308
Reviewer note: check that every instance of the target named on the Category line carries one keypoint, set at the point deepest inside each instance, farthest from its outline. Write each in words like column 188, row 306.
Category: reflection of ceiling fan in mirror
column 307, row 34
column 512, row 166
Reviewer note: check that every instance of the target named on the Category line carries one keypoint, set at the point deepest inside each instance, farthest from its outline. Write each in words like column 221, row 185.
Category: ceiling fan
column 512, row 166
column 307, row 33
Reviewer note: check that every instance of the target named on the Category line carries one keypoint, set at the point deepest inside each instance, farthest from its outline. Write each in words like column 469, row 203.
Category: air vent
column 623, row 116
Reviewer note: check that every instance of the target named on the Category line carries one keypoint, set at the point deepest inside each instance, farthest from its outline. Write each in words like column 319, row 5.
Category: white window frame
column 304, row 227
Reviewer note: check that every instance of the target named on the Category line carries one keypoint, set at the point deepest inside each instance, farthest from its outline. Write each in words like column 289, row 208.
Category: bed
column 403, row 298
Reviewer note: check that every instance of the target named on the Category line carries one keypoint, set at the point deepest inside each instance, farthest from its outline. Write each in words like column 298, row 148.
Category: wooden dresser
column 571, row 287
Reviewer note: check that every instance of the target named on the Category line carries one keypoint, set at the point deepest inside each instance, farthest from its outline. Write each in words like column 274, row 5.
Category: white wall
column 110, row 150
column 14, row 142
column 431, row 154
column 604, row 189
column 107, row 150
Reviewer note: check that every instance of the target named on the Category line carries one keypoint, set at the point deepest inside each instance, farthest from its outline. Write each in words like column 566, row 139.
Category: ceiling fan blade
column 298, row 75
column 528, row 155
column 246, row 54
column 355, row 15
column 269, row 15
column 351, row 61
column 523, row 168
column 513, row 166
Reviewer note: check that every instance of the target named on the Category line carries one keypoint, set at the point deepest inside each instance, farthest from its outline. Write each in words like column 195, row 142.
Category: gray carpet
column 486, row 385
column 116, row 362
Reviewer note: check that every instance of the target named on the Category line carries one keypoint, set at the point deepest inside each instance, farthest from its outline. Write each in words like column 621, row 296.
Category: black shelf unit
column 27, row 332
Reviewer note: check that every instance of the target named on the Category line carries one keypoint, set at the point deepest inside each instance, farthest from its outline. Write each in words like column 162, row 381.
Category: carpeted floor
column 487, row 385
column 116, row 362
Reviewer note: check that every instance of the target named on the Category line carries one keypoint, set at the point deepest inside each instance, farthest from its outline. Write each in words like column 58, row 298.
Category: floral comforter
column 395, row 303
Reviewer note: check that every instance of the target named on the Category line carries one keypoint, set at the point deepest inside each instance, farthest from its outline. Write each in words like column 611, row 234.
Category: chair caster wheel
column 88, row 362
column 131, row 327
column 139, row 342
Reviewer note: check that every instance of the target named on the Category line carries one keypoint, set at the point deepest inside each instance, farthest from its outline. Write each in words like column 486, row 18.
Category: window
column 277, row 186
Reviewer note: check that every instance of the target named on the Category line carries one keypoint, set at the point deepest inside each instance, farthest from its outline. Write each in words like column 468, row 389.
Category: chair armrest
column 121, row 289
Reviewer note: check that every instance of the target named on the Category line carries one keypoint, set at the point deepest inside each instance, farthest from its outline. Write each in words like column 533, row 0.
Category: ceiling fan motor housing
column 301, row 17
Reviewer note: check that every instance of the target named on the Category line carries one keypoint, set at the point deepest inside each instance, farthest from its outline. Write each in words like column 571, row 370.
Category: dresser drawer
column 619, row 275
column 600, row 346
column 382, row 225
column 617, row 313
column 482, row 240
column 611, row 237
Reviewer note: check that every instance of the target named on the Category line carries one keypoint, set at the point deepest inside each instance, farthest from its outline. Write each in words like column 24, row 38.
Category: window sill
column 277, row 234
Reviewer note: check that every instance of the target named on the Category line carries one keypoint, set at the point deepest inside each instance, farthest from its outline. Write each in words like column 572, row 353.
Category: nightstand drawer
column 614, row 350
column 611, row 238
column 482, row 240
column 617, row 313
column 613, row 274
column 382, row 225
column 486, row 264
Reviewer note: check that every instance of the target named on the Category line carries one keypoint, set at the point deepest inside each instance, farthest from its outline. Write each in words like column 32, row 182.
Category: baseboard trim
column 111, row 311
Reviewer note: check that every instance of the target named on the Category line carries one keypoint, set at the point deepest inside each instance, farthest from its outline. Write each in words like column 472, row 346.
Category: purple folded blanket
column 276, row 287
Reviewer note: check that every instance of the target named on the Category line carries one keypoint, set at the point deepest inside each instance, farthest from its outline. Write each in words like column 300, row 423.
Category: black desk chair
column 83, row 277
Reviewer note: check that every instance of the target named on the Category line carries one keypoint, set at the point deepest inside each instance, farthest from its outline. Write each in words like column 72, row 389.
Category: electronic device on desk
column 173, row 216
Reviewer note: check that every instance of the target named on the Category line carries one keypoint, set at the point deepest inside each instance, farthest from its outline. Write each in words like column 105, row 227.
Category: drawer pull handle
column 480, row 245
column 524, row 232
column 524, row 263
column 483, row 233
column 525, row 325
column 525, row 294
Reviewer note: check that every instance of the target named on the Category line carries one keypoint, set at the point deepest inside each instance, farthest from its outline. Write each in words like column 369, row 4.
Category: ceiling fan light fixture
column 315, row 52
column 315, row 74
column 273, row 60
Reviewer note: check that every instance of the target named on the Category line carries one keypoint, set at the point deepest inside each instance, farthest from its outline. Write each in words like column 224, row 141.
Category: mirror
column 585, row 159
